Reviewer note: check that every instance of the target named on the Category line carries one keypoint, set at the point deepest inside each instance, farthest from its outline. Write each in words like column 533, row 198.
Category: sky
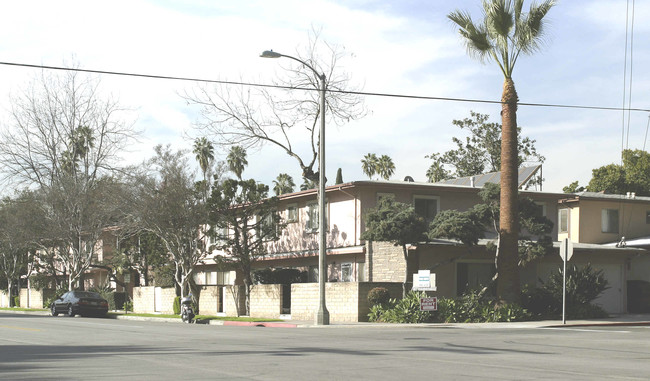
column 404, row 47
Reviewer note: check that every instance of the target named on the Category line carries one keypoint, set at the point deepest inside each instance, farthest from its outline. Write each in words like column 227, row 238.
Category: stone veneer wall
column 345, row 301
column 266, row 301
column 36, row 297
column 4, row 300
column 209, row 299
column 385, row 262
column 144, row 300
column 234, row 300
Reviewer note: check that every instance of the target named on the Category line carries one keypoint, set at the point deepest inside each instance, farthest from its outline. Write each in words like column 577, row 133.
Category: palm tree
column 369, row 165
column 385, row 167
column 503, row 34
column 82, row 141
column 204, row 151
column 307, row 184
column 283, row 184
column 237, row 160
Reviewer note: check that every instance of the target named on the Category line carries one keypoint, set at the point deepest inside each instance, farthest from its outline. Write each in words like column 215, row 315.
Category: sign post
column 566, row 251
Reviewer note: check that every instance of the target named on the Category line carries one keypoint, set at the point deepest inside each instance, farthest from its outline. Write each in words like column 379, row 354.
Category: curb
column 259, row 324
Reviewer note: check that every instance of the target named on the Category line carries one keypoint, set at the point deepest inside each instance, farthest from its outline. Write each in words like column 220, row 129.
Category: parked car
column 80, row 303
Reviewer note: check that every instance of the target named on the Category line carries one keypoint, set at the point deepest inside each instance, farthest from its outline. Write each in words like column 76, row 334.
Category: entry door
column 612, row 299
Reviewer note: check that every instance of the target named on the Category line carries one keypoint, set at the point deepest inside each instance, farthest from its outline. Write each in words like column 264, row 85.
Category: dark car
column 82, row 303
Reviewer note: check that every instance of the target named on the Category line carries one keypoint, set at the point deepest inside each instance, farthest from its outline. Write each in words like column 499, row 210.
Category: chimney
column 471, row 181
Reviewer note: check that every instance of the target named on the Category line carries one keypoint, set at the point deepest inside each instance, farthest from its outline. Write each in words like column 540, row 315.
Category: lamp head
column 270, row 54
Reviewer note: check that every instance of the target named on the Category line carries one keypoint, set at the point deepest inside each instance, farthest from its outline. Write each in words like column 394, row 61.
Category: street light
column 322, row 316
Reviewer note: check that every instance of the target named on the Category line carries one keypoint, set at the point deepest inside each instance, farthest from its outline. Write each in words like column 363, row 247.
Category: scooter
column 187, row 313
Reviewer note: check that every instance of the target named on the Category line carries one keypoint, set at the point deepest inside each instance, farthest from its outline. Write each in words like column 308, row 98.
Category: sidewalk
column 614, row 320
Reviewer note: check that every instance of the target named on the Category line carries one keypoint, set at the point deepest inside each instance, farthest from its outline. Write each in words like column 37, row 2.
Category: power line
column 390, row 95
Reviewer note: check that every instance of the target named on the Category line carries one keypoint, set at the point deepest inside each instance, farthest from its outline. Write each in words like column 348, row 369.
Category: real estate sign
column 424, row 281
column 429, row 304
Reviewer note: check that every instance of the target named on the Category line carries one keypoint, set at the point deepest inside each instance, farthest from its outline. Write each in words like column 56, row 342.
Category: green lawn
column 198, row 317
column 169, row 316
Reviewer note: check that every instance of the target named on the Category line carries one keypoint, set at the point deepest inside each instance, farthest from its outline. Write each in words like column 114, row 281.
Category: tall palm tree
column 283, row 184
column 385, row 167
column 204, row 151
column 369, row 165
column 501, row 36
column 237, row 160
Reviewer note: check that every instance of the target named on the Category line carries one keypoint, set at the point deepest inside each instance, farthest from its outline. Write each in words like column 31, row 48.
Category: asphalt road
column 43, row 347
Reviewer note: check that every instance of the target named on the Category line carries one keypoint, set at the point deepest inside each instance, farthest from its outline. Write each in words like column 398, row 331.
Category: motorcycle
column 187, row 313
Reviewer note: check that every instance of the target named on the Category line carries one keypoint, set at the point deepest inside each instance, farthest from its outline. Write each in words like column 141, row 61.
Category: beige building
column 586, row 219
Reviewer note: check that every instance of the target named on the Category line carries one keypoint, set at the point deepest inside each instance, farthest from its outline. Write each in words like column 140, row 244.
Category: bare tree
column 289, row 112
column 64, row 141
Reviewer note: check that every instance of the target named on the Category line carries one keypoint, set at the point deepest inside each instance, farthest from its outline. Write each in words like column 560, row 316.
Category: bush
column 107, row 293
column 57, row 293
column 540, row 302
column 583, row 285
column 128, row 305
column 378, row 295
column 406, row 310
column 474, row 308
column 16, row 301
column 177, row 305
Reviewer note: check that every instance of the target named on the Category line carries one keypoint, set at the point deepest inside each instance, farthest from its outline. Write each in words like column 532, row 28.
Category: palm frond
column 499, row 17
column 475, row 37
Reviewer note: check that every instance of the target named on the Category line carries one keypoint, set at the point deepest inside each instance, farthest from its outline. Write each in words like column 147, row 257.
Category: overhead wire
column 377, row 94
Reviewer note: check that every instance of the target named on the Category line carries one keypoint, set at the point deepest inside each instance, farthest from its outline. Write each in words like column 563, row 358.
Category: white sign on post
column 424, row 281
column 566, row 249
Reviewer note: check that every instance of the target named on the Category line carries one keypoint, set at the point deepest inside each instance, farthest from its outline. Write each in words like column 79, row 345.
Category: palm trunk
column 508, row 287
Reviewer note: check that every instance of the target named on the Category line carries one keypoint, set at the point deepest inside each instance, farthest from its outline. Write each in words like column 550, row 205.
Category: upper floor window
column 426, row 207
column 268, row 225
column 292, row 213
column 563, row 220
column 311, row 225
column 609, row 221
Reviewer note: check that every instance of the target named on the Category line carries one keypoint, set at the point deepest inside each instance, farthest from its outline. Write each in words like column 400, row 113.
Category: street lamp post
column 322, row 315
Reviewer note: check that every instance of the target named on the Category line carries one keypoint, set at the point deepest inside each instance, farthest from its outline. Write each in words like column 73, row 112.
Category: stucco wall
column 631, row 216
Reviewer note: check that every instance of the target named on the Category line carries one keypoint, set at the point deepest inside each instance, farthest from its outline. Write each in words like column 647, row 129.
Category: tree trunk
column 508, row 287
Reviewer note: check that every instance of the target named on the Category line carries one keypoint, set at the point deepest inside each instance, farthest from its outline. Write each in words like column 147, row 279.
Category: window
column 541, row 209
column 223, row 277
column 292, row 213
column 268, row 226
column 199, row 278
column 563, row 220
column 609, row 221
column 473, row 276
column 346, row 272
column 311, row 225
column 426, row 207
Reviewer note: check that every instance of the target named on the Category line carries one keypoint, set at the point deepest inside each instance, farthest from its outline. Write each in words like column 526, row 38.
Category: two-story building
column 457, row 267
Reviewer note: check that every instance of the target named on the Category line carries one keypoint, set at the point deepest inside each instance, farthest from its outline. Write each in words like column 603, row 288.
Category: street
column 44, row 347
